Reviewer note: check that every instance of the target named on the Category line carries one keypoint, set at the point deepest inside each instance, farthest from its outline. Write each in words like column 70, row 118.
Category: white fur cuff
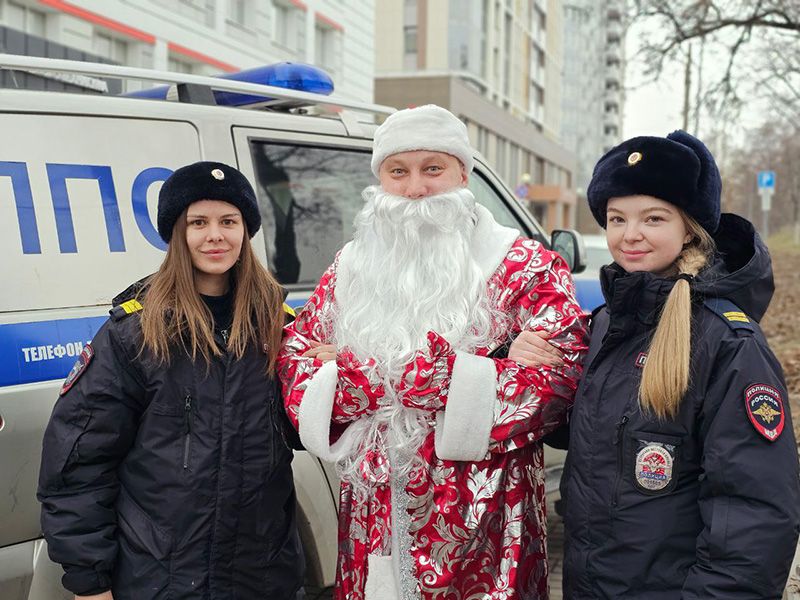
column 464, row 428
column 314, row 416
column 380, row 584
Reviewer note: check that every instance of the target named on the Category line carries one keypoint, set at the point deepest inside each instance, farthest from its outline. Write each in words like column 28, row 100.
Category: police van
column 79, row 180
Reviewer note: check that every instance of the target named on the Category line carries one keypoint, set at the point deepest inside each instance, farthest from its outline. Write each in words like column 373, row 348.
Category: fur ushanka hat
column 678, row 169
column 206, row 181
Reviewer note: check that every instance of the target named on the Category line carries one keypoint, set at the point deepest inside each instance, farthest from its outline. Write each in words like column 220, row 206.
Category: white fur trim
column 314, row 417
column 427, row 127
column 464, row 427
column 490, row 241
column 380, row 584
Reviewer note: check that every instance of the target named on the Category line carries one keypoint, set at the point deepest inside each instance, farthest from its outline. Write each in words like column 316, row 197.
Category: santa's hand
column 357, row 396
column 532, row 349
column 426, row 379
column 323, row 352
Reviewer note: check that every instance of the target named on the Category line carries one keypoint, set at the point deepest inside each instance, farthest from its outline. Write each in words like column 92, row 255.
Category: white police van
column 79, row 179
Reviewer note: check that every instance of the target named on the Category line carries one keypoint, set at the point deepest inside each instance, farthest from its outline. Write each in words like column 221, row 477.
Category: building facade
column 205, row 37
column 593, row 84
column 497, row 65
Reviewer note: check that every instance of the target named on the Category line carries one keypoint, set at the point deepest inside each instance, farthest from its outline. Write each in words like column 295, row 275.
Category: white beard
column 409, row 270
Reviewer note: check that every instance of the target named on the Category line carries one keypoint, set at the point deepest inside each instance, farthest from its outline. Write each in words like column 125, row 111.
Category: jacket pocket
column 654, row 462
column 139, row 529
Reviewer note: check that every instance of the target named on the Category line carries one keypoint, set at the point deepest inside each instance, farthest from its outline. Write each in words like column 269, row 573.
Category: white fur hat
column 428, row 127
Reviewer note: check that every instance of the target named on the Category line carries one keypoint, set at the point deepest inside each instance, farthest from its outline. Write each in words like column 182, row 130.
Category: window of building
column 239, row 12
column 325, row 51
column 410, row 39
column 287, row 31
column 179, row 66
column 410, row 42
column 25, row 19
column 110, row 47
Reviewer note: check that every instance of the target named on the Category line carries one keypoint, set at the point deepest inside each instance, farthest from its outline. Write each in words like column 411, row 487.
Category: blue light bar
column 292, row 76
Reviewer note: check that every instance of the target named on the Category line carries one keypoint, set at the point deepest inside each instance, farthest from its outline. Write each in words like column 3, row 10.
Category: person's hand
column 532, row 349
column 323, row 352
column 104, row 596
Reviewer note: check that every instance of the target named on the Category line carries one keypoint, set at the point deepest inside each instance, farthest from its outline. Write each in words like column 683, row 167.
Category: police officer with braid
column 166, row 470
column 682, row 473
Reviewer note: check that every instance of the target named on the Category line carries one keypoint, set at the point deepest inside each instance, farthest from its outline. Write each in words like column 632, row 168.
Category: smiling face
column 645, row 233
column 214, row 236
column 420, row 173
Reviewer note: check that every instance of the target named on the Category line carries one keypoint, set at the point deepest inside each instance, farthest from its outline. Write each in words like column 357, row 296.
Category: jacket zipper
column 620, row 444
column 187, row 429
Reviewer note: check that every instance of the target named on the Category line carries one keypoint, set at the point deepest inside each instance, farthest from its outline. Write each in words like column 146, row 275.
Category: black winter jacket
column 170, row 481
column 702, row 506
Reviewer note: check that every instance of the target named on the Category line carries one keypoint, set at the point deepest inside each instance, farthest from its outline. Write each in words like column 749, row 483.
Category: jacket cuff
column 85, row 582
column 464, row 428
column 315, row 415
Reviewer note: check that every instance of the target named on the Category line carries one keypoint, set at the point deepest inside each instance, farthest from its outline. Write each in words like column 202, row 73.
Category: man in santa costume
column 394, row 371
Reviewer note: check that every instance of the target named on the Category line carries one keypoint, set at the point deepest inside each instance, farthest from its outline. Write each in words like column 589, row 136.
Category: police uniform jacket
column 704, row 505
column 169, row 481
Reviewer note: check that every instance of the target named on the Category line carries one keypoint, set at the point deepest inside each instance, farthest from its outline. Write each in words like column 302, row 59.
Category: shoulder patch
column 288, row 313
column 764, row 406
column 730, row 313
column 78, row 369
column 124, row 309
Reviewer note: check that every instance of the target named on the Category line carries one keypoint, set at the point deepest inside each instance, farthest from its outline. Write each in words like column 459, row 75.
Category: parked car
column 587, row 282
column 81, row 176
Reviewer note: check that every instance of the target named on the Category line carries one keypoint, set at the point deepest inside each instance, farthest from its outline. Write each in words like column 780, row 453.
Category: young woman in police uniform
column 682, row 471
column 165, row 471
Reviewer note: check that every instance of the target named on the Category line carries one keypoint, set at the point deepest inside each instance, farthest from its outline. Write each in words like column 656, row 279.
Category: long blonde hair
column 665, row 378
column 174, row 314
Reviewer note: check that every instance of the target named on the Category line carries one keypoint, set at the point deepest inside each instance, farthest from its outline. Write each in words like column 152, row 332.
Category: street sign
column 766, row 180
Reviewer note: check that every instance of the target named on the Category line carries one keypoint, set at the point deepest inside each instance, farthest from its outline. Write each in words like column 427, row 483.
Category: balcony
column 614, row 52
column 614, row 31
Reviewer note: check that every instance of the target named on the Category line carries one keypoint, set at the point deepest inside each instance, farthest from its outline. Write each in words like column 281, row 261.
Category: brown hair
column 665, row 378
column 174, row 313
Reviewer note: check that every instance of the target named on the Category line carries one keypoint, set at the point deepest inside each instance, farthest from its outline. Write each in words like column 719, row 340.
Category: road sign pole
column 766, row 186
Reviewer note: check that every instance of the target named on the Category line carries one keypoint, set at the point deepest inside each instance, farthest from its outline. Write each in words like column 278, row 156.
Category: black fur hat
column 678, row 169
column 206, row 181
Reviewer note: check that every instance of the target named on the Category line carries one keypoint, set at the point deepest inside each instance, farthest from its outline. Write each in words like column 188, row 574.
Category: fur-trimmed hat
column 428, row 127
column 678, row 169
column 206, row 181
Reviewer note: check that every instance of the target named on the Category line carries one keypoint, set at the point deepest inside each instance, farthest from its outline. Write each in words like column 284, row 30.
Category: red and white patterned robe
column 471, row 524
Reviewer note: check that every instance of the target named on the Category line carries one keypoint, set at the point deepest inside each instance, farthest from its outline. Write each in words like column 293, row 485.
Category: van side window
column 486, row 195
column 309, row 197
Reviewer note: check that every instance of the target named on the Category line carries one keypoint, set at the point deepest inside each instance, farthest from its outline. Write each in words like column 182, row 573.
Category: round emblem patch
column 764, row 406
column 218, row 174
column 653, row 467
column 634, row 158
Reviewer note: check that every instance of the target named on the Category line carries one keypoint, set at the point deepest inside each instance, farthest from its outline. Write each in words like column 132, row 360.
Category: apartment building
column 204, row 37
column 593, row 84
column 497, row 65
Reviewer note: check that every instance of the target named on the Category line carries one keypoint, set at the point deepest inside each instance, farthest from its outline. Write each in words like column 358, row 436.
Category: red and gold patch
column 78, row 368
column 764, row 406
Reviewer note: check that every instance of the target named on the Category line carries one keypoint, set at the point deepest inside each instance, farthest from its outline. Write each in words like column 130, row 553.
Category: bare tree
column 756, row 42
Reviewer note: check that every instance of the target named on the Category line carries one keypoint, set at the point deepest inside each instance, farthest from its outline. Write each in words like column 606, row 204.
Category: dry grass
column 782, row 321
